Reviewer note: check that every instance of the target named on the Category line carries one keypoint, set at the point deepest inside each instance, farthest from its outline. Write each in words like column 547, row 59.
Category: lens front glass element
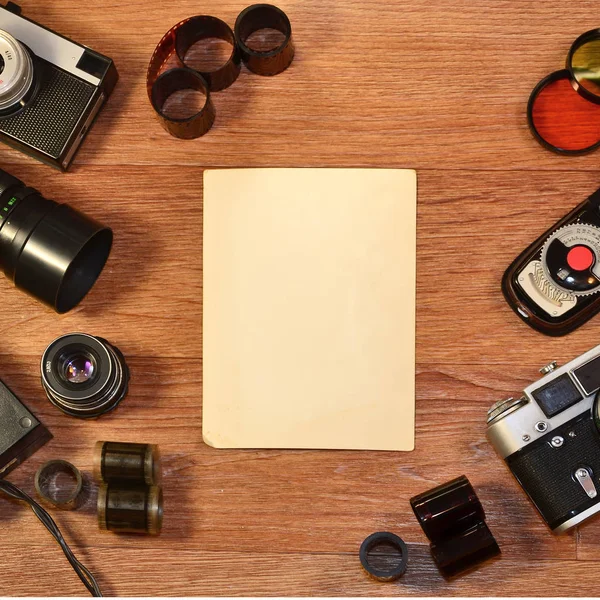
column 1, row 65
column 585, row 64
column 77, row 366
column 79, row 369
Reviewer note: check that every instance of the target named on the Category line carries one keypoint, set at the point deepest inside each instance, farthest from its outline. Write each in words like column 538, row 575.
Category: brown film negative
column 162, row 83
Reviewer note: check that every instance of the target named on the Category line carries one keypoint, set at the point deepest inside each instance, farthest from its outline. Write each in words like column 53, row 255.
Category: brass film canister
column 127, row 463
column 131, row 509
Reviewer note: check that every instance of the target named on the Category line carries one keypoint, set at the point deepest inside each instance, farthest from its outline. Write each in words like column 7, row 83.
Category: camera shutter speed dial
column 571, row 259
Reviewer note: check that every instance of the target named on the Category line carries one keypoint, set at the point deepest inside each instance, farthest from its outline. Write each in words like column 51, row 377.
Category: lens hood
column 49, row 250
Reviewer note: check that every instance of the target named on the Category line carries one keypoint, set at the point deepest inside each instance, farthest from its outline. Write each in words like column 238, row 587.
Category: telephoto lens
column 49, row 250
column 84, row 376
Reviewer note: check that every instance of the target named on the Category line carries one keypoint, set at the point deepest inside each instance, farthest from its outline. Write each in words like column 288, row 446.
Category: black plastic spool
column 264, row 16
column 384, row 538
column 204, row 27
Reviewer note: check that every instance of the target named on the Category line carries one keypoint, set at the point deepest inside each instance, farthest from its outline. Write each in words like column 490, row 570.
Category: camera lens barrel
column 49, row 250
column 84, row 376
column 18, row 83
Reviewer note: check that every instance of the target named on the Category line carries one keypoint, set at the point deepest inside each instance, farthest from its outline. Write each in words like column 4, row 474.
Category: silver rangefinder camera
column 51, row 89
column 550, row 440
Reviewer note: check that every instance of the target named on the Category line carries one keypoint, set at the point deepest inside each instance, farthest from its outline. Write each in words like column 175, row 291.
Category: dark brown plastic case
column 587, row 306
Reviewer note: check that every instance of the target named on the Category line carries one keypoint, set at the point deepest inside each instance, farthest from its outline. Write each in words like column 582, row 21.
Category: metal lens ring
column 264, row 16
column 84, row 376
column 172, row 81
column 583, row 64
column 562, row 120
column 384, row 538
column 17, row 76
column 205, row 27
column 63, row 496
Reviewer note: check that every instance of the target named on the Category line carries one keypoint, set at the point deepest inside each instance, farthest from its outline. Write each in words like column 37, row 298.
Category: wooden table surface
column 440, row 87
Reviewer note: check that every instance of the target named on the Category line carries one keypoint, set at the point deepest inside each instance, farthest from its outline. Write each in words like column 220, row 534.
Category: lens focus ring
column 84, row 376
column 17, row 73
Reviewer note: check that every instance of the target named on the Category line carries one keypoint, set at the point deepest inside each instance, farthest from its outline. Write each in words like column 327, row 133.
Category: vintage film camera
column 51, row 89
column 549, row 439
column 553, row 285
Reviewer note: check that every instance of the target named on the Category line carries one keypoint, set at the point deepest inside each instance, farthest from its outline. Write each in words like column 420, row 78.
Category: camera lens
column 84, row 376
column 49, row 250
column 19, row 83
column 79, row 368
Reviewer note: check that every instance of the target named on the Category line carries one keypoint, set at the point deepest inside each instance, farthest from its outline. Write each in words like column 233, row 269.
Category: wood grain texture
column 436, row 86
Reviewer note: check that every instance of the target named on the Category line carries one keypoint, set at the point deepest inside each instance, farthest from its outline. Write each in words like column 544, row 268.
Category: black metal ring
column 171, row 81
column 204, row 27
column 583, row 39
column 555, row 76
column 42, row 479
column 377, row 539
column 264, row 16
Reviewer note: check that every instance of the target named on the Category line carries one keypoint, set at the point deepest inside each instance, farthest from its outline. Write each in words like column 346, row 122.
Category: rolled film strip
column 160, row 86
column 264, row 16
column 163, row 82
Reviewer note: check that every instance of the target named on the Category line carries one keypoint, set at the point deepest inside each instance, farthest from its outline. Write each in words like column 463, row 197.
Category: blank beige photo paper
column 309, row 308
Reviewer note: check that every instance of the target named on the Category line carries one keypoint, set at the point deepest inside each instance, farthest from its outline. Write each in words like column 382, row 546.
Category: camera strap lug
column 584, row 477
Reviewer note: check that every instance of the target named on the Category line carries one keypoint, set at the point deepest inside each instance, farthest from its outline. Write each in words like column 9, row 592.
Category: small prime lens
column 49, row 250
column 84, row 376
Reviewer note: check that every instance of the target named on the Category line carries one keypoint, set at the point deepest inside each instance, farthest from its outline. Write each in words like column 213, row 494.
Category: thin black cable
column 83, row 573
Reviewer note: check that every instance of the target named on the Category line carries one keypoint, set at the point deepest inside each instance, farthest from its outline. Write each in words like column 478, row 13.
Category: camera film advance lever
column 51, row 89
column 549, row 439
column 554, row 284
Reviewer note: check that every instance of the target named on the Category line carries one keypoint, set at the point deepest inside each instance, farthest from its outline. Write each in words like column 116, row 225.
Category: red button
column 580, row 258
